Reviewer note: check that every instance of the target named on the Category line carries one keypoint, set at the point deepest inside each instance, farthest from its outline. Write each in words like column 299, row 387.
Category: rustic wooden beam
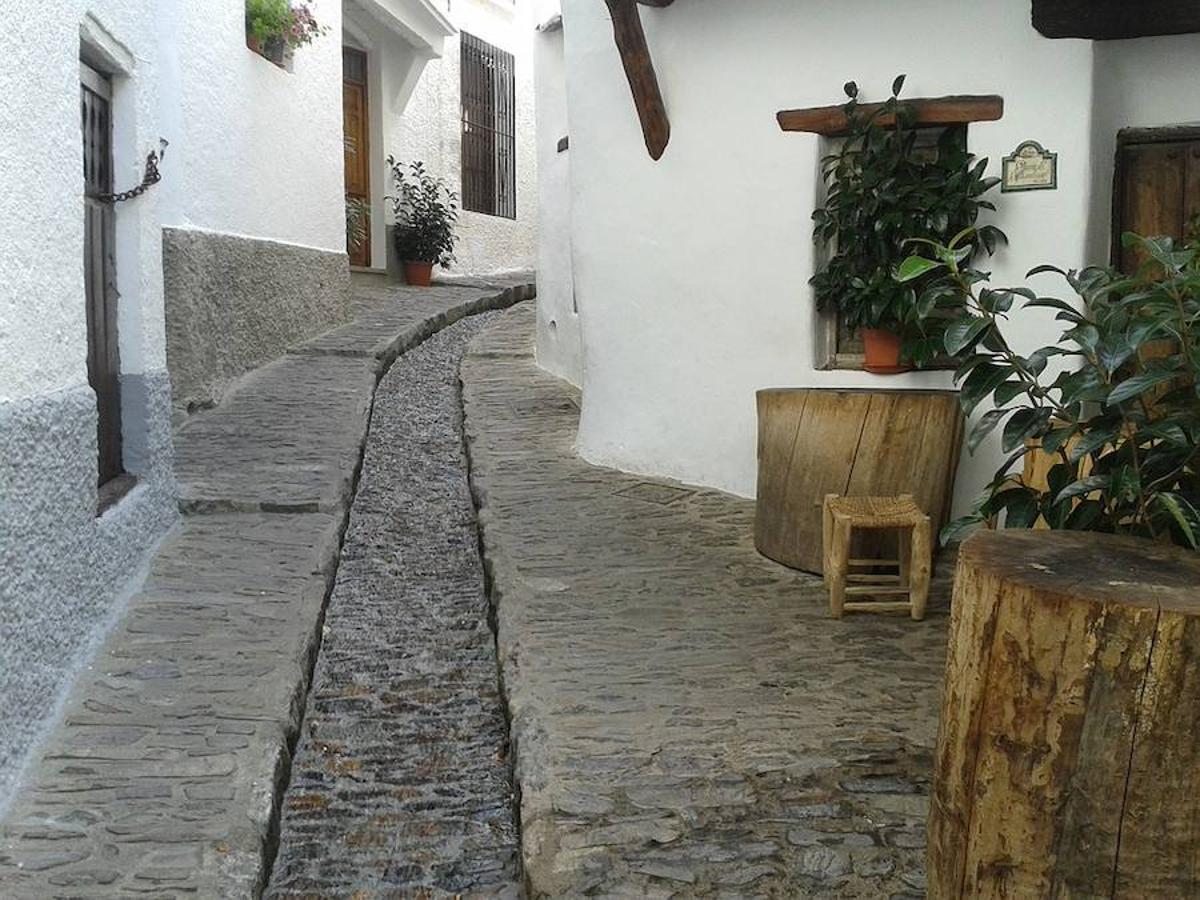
column 639, row 69
column 1105, row 20
column 831, row 120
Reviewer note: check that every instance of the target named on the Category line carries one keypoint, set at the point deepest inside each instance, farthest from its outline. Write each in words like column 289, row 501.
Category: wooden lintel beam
column 639, row 69
column 831, row 120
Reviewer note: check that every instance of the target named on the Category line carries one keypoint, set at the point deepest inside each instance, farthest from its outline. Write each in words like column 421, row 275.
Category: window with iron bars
column 489, row 126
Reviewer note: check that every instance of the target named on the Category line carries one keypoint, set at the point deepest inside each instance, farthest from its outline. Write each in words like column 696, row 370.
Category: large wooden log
column 1068, row 758
column 817, row 441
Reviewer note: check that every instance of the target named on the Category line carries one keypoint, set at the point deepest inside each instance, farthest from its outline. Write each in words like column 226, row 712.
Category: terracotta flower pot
column 882, row 351
column 418, row 274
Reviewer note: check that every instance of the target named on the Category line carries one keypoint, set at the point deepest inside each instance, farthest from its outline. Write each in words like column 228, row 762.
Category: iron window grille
column 489, row 118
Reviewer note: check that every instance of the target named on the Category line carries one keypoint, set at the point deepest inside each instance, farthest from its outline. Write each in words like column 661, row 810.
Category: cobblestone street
column 163, row 777
column 686, row 720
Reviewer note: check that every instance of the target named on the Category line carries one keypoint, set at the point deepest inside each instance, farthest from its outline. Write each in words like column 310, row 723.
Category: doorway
column 99, row 270
column 1157, row 189
column 355, row 127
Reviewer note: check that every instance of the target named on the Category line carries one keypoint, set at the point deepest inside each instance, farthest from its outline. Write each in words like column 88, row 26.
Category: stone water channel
column 401, row 780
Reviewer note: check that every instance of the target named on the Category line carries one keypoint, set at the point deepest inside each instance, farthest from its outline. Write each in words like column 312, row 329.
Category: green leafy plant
column 425, row 211
column 267, row 19
column 358, row 221
column 277, row 24
column 881, row 191
column 1121, row 420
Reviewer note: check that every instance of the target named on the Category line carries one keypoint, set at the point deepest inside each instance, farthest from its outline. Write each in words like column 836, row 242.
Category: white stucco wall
column 559, row 343
column 65, row 569
column 430, row 129
column 691, row 273
column 255, row 150
column 43, row 328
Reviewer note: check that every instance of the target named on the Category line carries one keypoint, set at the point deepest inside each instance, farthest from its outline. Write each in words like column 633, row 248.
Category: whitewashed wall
column 559, row 343
column 43, row 331
column 64, row 567
column 691, row 273
column 431, row 125
column 255, row 150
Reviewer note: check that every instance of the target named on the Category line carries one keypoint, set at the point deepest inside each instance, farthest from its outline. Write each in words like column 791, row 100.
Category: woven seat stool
column 914, row 562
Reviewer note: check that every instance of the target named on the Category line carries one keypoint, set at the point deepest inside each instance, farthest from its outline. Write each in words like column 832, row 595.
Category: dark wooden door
column 99, row 274
column 355, row 119
column 1158, row 189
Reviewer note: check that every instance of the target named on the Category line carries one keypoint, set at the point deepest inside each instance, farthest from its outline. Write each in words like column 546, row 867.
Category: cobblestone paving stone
column 163, row 776
column 685, row 719
column 401, row 779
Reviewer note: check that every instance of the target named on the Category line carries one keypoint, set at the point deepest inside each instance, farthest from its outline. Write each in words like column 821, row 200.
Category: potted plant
column 425, row 212
column 1121, row 426
column 881, row 190
column 275, row 28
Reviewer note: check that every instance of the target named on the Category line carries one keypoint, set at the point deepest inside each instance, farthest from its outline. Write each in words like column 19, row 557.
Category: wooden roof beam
column 831, row 120
column 1105, row 20
column 639, row 70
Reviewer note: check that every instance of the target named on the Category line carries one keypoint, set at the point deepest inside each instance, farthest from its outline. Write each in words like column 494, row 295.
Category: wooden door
column 1157, row 194
column 1158, row 188
column 355, row 119
column 99, row 275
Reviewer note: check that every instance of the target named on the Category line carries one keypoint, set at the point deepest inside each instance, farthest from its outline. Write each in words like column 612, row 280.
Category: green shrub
column 1122, row 417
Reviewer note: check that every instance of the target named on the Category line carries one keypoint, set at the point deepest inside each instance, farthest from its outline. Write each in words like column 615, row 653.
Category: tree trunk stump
column 1068, row 757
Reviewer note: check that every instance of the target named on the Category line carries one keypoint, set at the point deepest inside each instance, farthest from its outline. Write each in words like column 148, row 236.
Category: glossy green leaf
column 963, row 333
column 986, row 425
column 915, row 267
column 1081, row 487
column 1138, row 384
column 1182, row 513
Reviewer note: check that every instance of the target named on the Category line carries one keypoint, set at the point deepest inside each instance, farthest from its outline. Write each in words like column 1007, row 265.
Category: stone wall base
column 64, row 568
column 234, row 303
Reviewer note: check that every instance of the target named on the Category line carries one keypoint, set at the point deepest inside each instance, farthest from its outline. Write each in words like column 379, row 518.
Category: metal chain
column 151, row 178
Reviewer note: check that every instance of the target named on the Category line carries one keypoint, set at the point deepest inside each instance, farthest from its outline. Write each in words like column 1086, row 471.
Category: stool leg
column 839, row 563
column 904, row 555
column 921, row 567
column 826, row 535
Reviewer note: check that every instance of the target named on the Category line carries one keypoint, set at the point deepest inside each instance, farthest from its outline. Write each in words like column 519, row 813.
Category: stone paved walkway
column 163, row 777
column 685, row 719
column 401, row 780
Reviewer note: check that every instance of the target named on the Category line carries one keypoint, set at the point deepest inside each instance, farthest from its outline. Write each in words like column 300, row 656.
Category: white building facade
column 689, row 275
column 68, row 543
column 118, row 319
column 417, row 112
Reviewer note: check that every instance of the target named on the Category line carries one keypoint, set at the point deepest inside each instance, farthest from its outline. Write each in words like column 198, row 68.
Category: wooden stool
column 841, row 516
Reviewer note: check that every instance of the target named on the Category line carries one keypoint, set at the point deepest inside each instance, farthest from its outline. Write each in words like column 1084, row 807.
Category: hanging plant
column 276, row 27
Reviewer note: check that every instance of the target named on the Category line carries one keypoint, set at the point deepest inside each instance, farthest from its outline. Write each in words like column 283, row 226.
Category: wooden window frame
column 489, row 130
column 830, row 355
